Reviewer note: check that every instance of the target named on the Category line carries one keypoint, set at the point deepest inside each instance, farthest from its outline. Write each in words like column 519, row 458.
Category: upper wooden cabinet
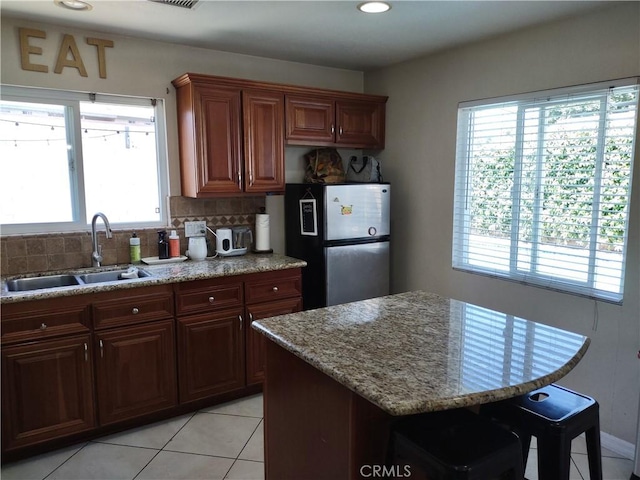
column 231, row 137
column 325, row 121
column 263, row 126
column 232, row 132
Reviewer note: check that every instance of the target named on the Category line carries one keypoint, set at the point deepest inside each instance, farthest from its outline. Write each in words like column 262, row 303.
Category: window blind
column 543, row 184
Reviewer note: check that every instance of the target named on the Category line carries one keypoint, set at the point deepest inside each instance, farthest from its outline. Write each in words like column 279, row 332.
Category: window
column 542, row 190
column 65, row 156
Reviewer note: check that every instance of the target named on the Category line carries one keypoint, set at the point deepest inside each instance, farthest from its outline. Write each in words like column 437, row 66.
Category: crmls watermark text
column 385, row 471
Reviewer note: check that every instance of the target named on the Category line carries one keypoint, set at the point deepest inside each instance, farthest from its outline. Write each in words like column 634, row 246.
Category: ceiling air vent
column 178, row 3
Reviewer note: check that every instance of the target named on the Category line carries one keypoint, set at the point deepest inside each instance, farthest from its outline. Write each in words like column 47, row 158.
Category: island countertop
column 418, row 352
column 160, row 274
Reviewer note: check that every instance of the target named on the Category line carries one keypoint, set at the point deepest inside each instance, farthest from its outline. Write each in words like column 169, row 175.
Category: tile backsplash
column 20, row 254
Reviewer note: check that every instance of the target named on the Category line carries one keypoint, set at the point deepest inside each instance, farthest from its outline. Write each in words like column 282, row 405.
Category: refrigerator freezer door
column 357, row 211
column 357, row 272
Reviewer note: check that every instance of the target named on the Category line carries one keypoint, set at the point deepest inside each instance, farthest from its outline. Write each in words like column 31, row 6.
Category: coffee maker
column 234, row 241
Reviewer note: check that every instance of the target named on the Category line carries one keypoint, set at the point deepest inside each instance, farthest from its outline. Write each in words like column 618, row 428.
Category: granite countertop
column 418, row 352
column 161, row 274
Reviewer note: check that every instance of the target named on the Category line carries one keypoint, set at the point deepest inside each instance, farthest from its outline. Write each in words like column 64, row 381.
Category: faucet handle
column 97, row 255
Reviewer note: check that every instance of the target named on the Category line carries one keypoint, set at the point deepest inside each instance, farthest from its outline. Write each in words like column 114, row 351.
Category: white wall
column 146, row 68
column 419, row 162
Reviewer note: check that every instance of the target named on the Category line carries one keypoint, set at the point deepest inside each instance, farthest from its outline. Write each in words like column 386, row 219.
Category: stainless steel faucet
column 96, row 255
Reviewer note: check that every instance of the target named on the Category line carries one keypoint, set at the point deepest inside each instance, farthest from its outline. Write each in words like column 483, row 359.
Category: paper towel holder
column 262, row 228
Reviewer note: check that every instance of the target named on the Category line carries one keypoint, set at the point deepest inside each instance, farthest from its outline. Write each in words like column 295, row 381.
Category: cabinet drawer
column 207, row 295
column 132, row 309
column 265, row 287
column 44, row 319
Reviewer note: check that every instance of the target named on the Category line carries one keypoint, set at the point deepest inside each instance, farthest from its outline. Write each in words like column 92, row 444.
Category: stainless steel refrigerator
column 342, row 231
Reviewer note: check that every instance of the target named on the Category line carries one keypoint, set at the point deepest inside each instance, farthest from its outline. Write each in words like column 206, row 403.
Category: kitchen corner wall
column 419, row 161
column 146, row 68
column 21, row 254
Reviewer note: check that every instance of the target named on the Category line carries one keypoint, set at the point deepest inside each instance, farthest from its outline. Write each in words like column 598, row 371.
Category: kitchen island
column 338, row 376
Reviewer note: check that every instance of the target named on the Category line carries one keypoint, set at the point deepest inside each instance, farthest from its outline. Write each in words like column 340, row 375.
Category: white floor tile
column 212, row 434
column 247, row 406
column 254, row 449
column 101, row 461
column 531, row 472
column 155, row 435
column 185, row 466
column 36, row 468
column 612, row 468
column 244, row 470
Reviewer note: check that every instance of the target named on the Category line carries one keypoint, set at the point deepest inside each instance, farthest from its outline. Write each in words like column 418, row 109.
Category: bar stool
column 555, row 416
column 454, row 445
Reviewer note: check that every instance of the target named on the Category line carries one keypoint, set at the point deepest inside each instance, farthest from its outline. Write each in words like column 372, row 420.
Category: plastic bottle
column 174, row 244
column 163, row 245
column 134, row 248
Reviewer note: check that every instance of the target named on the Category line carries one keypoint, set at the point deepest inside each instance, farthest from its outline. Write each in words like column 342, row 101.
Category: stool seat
column 555, row 416
column 456, row 444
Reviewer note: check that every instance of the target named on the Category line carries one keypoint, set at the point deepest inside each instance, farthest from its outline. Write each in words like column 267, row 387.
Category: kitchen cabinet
column 81, row 365
column 256, row 342
column 326, row 121
column 135, row 371
column 47, row 371
column 135, row 353
column 47, row 390
column 232, row 132
column 231, row 137
column 267, row 295
column 263, row 126
column 211, row 354
column 210, row 337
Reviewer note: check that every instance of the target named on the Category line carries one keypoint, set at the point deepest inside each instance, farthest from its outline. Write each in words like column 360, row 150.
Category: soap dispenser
column 163, row 245
column 134, row 248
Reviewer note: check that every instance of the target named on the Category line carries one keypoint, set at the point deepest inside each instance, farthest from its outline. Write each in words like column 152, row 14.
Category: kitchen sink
column 70, row 279
column 109, row 276
column 36, row 283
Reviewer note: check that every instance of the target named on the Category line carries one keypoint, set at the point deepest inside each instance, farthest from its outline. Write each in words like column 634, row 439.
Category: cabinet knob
column 340, row 131
column 135, row 310
column 275, row 289
column 241, row 321
column 333, row 129
column 43, row 326
column 211, row 300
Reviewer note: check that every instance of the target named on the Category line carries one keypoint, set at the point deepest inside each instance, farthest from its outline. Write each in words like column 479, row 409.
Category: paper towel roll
column 262, row 232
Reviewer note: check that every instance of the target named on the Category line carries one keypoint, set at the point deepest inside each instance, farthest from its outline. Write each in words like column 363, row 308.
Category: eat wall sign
column 68, row 53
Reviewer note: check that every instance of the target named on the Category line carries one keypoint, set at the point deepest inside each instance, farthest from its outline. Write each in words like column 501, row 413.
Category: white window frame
column 71, row 100
column 461, row 225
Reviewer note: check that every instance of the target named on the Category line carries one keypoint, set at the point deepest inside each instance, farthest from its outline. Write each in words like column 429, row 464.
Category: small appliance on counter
column 231, row 242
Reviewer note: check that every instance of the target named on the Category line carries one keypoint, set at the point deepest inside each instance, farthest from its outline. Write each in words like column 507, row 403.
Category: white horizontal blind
column 542, row 190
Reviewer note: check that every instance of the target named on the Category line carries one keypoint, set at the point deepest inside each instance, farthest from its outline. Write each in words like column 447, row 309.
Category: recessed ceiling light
column 77, row 5
column 374, row 7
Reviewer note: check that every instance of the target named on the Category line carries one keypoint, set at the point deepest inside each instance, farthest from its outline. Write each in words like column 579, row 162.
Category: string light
column 87, row 131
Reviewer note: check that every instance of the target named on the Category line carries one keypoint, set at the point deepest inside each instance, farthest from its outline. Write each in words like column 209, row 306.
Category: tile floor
column 223, row 442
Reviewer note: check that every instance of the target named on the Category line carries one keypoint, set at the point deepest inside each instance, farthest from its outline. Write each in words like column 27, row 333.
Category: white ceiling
column 329, row 33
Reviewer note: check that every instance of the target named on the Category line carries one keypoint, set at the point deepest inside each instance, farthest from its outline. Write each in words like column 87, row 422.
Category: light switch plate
column 195, row 229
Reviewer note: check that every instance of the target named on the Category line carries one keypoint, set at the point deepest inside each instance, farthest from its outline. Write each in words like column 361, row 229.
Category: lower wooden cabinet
column 73, row 365
column 136, row 371
column 256, row 342
column 47, row 390
column 210, row 353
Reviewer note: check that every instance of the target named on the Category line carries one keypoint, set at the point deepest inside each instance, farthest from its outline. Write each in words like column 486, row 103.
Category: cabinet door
column 210, row 354
column 255, row 341
column 310, row 120
column 360, row 124
column 47, row 391
column 136, row 371
column 263, row 114
column 217, row 166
